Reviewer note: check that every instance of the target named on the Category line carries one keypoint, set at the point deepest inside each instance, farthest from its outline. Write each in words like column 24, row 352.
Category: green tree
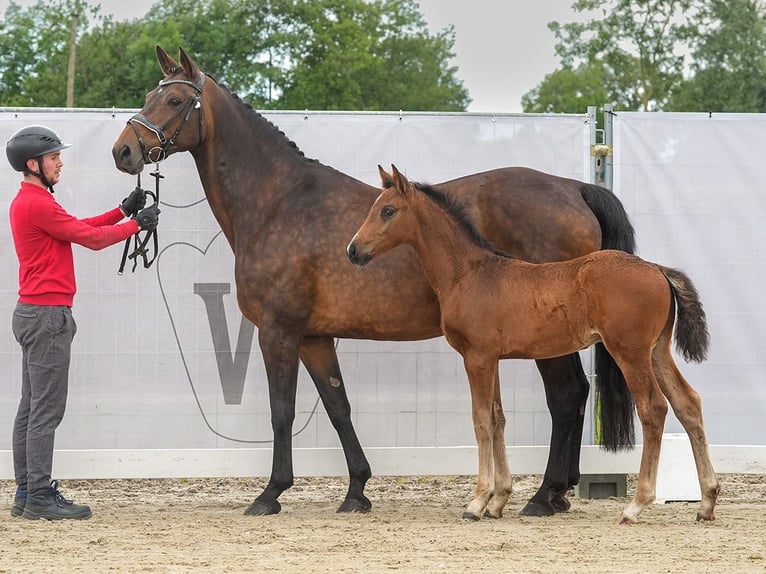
column 728, row 69
column 34, row 51
column 641, row 46
column 318, row 54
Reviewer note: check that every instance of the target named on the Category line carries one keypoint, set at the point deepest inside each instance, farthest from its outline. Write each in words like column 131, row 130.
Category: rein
column 161, row 152
column 140, row 245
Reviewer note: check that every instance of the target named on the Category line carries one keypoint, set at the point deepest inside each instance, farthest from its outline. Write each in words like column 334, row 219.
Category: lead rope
column 140, row 245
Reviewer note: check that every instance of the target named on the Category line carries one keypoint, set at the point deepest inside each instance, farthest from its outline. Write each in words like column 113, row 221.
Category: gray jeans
column 45, row 334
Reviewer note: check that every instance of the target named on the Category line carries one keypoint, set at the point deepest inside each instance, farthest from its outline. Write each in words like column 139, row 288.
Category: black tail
column 691, row 334
column 616, row 408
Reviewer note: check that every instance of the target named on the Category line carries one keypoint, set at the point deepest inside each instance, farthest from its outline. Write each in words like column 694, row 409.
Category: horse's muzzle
column 356, row 257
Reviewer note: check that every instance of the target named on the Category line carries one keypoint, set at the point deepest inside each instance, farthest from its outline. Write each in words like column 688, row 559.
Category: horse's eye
column 174, row 102
column 387, row 212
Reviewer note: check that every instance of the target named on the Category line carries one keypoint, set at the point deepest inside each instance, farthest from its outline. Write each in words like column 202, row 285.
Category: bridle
column 141, row 248
column 193, row 103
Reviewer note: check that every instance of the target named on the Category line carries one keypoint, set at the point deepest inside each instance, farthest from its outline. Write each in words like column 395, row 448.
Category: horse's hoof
column 361, row 504
column 626, row 521
column 487, row 514
column 261, row 508
column 705, row 518
column 536, row 509
column 470, row 516
column 560, row 503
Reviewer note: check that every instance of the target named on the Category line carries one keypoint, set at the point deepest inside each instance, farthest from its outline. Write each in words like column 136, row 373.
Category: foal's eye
column 387, row 212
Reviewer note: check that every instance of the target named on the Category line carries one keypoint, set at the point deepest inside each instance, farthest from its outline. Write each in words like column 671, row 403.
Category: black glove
column 134, row 203
column 148, row 218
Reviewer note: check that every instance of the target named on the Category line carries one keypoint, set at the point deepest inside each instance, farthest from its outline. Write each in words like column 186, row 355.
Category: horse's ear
column 188, row 65
column 400, row 182
column 167, row 64
column 385, row 178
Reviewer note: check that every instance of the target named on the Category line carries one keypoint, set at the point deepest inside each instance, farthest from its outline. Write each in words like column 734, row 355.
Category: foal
column 495, row 307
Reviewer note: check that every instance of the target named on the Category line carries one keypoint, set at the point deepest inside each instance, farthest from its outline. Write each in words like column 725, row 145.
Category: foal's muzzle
column 356, row 257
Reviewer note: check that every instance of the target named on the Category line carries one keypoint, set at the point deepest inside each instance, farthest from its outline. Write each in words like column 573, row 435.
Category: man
column 43, row 233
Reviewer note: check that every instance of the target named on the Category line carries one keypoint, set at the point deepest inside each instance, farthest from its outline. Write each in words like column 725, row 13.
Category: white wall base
column 251, row 462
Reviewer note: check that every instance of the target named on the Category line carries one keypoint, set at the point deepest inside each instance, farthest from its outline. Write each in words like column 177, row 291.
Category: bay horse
column 288, row 218
column 494, row 307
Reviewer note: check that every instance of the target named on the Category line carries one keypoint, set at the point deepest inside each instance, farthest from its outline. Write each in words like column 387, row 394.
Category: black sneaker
column 19, row 502
column 55, row 507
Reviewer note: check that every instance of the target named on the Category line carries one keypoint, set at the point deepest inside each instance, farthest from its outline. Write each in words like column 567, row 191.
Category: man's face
column 51, row 166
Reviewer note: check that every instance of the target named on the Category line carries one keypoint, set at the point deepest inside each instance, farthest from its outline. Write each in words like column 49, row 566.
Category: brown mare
column 288, row 219
column 496, row 307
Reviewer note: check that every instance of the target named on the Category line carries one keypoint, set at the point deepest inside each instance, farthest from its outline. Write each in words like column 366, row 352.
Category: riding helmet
column 29, row 142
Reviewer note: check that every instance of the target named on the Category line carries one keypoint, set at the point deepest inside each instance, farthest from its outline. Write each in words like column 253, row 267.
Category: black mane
column 457, row 212
column 257, row 116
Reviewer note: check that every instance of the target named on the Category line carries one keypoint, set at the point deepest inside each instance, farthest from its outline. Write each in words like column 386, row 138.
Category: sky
column 503, row 48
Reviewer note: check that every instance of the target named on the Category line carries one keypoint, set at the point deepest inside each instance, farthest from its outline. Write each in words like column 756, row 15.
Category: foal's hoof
column 471, row 516
column 536, row 509
column 262, row 508
column 361, row 504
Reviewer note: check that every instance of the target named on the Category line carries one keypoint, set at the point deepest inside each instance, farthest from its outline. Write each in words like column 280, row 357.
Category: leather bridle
column 193, row 103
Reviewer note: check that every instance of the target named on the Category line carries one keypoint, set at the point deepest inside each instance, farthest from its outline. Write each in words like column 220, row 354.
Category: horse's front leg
column 280, row 356
column 321, row 361
column 566, row 393
column 482, row 373
column 503, row 478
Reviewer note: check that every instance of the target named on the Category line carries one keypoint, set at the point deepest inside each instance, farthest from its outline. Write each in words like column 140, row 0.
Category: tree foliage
column 672, row 55
column 278, row 54
column 728, row 69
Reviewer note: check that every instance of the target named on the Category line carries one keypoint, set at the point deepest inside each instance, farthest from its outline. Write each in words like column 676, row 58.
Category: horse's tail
column 615, row 403
column 691, row 333
column 616, row 230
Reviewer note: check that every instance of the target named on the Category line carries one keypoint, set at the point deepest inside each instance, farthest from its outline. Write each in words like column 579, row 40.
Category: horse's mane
column 254, row 114
column 459, row 214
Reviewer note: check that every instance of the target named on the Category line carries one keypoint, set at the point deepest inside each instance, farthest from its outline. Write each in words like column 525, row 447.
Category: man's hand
column 148, row 218
column 134, row 203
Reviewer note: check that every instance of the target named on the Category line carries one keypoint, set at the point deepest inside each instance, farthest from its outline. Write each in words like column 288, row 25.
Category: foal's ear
column 167, row 64
column 385, row 179
column 400, row 182
column 188, row 65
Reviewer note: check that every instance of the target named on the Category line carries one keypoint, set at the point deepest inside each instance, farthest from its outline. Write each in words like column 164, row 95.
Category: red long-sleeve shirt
column 43, row 233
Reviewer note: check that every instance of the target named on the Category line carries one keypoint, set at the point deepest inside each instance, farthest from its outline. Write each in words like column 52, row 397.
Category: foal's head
column 392, row 220
column 389, row 222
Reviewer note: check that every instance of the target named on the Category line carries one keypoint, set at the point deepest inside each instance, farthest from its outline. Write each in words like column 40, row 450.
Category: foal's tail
column 615, row 406
column 692, row 337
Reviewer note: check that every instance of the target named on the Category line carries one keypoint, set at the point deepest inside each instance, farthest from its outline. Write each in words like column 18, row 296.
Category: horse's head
column 163, row 126
column 387, row 224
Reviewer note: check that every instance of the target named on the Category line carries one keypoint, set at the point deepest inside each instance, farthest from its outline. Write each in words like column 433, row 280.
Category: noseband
column 193, row 103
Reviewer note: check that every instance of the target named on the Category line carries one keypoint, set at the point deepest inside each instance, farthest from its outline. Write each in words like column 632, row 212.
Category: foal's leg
column 503, row 478
column 687, row 407
column 482, row 373
column 321, row 361
column 652, row 409
column 566, row 393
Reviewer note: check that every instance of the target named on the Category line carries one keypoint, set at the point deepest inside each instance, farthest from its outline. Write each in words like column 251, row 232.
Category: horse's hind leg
column 321, row 361
column 687, row 407
column 652, row 409
column 566, row 393
column 503, row 478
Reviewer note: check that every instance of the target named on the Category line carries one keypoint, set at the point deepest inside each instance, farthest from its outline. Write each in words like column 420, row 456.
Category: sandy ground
column 194, row 525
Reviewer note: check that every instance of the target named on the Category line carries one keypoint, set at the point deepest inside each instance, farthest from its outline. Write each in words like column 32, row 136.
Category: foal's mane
column 458, row 213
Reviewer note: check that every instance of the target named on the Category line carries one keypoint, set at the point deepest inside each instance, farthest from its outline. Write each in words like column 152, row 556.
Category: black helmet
column 32, row 142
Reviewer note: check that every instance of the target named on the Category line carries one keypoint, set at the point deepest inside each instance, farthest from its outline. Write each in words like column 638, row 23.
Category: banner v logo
column 231, row 369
